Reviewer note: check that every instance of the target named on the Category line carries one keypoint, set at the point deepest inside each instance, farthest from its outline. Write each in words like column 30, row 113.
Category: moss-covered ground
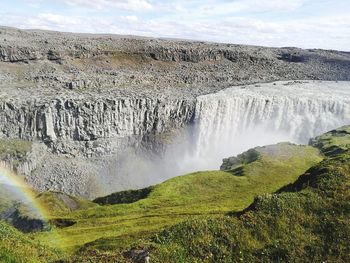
column 307, row 221
column 259, row 210
column 197, row 195
column 16, row 247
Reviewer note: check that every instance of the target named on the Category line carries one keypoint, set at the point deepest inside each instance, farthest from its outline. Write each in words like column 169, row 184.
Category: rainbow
column 22, row 192
column 28, row 197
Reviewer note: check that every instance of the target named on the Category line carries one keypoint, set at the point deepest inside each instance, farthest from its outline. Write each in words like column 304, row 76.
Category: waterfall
column 238, row 118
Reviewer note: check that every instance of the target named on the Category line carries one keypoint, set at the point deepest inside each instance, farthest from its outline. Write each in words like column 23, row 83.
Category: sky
column 300, row 23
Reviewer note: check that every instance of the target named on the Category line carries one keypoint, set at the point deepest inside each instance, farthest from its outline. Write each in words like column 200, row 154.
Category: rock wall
column 67, row 120
column 84, row 146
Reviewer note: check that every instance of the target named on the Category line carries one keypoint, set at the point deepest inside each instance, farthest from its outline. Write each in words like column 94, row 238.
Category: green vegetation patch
column 196, row 195
column 333, row 142
column 124, row 197
column 16, row 247
column 307, row 221
column 235, row 162
column 267, row 214
column 58, row 204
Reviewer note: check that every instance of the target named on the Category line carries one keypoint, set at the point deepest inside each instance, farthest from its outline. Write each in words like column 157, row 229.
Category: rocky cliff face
column 61, row 122
column 84, row 146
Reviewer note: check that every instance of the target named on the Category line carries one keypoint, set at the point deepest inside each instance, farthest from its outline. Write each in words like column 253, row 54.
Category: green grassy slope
column 333, row 142
column 307, row 221
column 16, row 247
column 194, row 195
column 59, row 204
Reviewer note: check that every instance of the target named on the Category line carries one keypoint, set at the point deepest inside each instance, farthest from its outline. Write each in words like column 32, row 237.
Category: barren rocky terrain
column 125, row 65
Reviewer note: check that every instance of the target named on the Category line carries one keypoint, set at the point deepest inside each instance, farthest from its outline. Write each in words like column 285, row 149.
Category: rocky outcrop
column 233, row 162
column 9, row 54
column 78, row 143
column 206, row 52
column 24, row 165
column 137, row 255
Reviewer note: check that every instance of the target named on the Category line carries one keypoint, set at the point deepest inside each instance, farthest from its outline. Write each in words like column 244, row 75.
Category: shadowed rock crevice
column 62, row 222
column 124, row 197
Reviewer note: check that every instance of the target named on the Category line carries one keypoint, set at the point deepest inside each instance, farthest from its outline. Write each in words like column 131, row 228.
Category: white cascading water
column 236, row 119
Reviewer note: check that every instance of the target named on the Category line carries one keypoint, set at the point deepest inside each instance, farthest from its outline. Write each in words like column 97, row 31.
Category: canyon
column 105, row 113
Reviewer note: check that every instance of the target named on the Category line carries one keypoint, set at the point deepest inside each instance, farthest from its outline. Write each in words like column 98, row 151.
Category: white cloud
column 129, row 18
column 56, row 19
column 129, row 5
column 204, row 8
column 202, row 20
column 272, row 5
column 224, row 8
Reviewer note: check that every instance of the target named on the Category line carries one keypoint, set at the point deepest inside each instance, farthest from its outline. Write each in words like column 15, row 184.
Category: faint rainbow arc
column 22, row 190
column 25, row 192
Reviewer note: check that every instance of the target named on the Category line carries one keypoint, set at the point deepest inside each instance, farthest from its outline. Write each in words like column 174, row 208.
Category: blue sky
column 301, row 23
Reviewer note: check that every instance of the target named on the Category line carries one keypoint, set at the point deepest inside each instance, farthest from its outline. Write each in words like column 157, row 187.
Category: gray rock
column 91, row 119
column 138, row 255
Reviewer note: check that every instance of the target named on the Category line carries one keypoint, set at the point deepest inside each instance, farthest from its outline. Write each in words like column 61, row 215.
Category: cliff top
column 47, row 62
